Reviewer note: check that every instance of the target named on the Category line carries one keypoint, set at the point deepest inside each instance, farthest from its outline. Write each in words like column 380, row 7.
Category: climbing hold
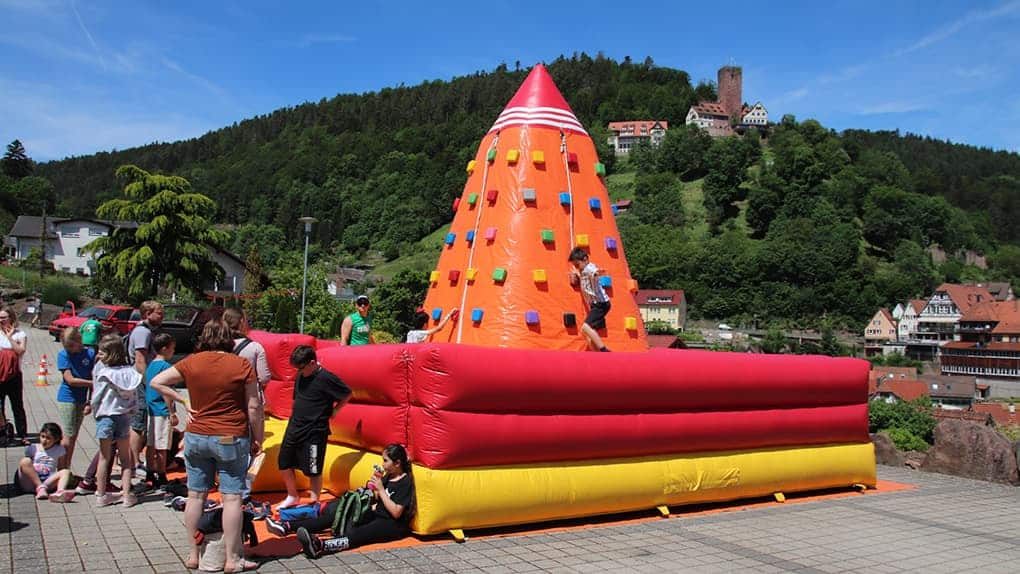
column 450, row 238
column 569, row 320
column 630, row 323
column 632, row 285
column 476, row 314
column 529, row 195
column 512, row 155
column 471, row 273
column 433, row 276
column 456, row 203
column 499, row 275
column 538, row 157
column 606, row 281
column 472, row 199
column 437, row 313
column 454, row 275
column 538, row 275
column 610, row 244
column 595, row 204
column 572, row 158
column 600, row 169
column 491, row 195
column 471, row 167
column 547, row 236
column 470, row 236
column 490, row 234
column 531, row 317
column 581, row 240
column 564, row 198
column 491, row 156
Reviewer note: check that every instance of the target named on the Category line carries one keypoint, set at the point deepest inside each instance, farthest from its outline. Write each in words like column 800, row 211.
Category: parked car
column 185, row 323
column 114, row 319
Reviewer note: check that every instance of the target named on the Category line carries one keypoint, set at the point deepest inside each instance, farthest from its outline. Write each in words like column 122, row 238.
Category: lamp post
column 308, row 221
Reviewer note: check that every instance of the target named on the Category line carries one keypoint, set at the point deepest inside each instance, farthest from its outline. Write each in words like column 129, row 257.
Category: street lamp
column 308, row 221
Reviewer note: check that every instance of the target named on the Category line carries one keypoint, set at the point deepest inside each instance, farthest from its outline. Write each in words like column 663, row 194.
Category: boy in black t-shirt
column 318, row 395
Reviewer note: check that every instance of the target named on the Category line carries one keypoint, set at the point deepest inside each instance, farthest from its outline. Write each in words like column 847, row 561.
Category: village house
column 907, row 323
column 880, row 329
column 624, row 136
column 937, row 322
column 666, row 306
column 66, row 239
column 988, row 343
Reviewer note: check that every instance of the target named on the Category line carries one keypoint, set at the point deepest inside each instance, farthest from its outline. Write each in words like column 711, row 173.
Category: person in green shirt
column 357, row 327
column 91, row 331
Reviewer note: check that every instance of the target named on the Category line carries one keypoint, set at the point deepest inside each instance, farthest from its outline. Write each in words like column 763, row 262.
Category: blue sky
column 81, row 77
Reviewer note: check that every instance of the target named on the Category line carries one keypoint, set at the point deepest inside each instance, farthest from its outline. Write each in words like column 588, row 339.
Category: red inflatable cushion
column 278, row 350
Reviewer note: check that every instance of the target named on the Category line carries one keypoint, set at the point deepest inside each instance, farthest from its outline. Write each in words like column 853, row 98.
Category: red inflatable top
column 538, row 102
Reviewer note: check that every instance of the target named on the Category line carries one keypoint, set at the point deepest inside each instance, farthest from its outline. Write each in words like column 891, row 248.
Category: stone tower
column 730, row 90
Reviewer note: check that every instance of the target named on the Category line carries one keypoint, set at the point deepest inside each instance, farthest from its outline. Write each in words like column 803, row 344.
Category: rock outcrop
column 885, row 451
column 964, row 448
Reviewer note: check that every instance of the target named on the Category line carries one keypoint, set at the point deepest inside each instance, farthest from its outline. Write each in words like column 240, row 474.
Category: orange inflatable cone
column 535, row 190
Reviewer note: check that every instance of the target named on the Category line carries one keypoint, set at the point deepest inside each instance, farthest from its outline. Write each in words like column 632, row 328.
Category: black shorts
column 307, row 456
column 596, row 318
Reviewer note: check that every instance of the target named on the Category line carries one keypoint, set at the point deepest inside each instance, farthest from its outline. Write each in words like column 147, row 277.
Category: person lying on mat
column 389, row 518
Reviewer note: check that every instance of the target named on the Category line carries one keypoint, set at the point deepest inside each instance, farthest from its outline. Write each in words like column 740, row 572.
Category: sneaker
column 107, row 499
column 309, row 543
column 85, row 487
column 41, row 493
column 62, row 496
column 277, row 527
column 130, row 500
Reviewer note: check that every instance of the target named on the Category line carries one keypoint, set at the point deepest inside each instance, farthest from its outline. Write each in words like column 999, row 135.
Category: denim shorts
column 206, row 455
column 140, row 420
column 113, row 426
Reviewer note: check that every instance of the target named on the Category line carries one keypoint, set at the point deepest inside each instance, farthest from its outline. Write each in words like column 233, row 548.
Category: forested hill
column 378, row 169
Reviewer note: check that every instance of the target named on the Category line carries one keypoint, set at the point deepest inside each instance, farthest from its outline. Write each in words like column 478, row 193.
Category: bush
column 58, row 292
column 896, row 360
column 914, row 417
column 906, row 440
column 1012, row 432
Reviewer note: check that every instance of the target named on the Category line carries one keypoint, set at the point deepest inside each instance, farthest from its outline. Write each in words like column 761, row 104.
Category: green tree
column 774, row 341
column 683, row 150
column 170, row 248
column 659, row 199
column 33, row 195
column 395, row 301
column 16, row 163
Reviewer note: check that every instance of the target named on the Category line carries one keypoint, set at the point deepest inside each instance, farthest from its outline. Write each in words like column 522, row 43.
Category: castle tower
column 534, row 191
column 730, row 89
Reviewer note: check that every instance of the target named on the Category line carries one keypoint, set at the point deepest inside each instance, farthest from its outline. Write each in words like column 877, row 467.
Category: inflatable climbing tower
column 509, row 421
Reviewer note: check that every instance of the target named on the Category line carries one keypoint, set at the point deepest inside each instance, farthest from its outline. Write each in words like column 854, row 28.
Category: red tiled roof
column 898, row 373
column 999, row 411
column 973, row 416
column 966, row 296
column 711, row 109
column 888, row 315
column 635, row 126
column 905, row 390
column 918, row 305
column 675, row 296
column 986, row 311
column 661, row 341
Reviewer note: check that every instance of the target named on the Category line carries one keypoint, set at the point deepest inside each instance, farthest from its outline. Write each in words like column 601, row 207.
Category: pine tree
column 16, row 163
column 170, row 248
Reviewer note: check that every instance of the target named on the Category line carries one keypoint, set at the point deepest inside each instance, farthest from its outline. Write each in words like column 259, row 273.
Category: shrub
column 1012, row 432
column 906, row 440
column 914, row 417
column 58, row 292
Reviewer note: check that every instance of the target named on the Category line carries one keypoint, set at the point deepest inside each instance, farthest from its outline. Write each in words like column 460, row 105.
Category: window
column 69, row 233
column 96, row 232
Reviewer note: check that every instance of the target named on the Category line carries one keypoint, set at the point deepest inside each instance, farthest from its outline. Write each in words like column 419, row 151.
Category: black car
column 185, row 323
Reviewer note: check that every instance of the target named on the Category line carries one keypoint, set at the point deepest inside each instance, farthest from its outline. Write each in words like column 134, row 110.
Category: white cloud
column 952, row 28
column 894, row 107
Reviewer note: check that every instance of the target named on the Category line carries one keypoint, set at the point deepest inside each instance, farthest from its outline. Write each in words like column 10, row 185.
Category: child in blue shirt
column 75, row 362
column 162, row 419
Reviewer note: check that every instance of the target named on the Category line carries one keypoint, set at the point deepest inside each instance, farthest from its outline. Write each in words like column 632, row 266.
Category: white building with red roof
column 665, row 305
column 937, row 322
column 624, row 136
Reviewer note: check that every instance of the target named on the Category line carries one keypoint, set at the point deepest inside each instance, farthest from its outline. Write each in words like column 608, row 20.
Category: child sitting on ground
column 42, row 470
column 161, row 420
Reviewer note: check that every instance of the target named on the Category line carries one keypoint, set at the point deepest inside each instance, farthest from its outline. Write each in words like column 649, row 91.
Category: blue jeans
column 113, row 427
column 205, row 456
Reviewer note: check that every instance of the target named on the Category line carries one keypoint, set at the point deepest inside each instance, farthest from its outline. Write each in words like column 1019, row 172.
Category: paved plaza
column 945, row 524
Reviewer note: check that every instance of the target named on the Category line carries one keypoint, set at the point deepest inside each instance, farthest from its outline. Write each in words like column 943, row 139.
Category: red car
column 114, row 318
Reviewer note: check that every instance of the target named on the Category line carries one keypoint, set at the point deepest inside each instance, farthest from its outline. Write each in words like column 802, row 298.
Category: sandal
column 242, row 566
column 41, row 493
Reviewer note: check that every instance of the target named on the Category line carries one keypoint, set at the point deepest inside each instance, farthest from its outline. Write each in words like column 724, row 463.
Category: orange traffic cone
column 40, row 378
column 44, row 366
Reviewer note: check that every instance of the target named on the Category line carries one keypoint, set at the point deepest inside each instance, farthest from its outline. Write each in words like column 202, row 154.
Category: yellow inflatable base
column 505, row 495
